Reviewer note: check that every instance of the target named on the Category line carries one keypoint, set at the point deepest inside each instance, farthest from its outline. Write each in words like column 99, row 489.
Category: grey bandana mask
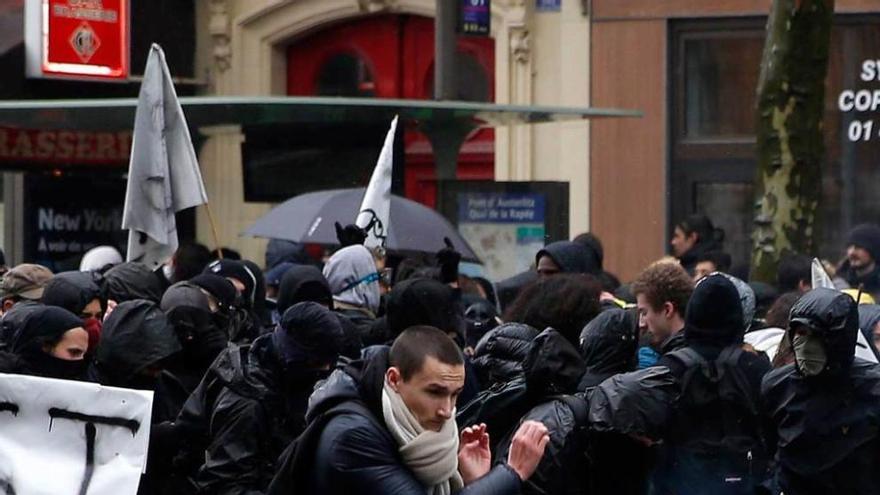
column 810, row 354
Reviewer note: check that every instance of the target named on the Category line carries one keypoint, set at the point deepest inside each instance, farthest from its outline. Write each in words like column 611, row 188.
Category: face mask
column 93, row 326
column 810, row 354
column 45, row 364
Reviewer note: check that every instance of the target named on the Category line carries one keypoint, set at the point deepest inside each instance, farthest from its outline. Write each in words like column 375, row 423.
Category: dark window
column 345, row 75
column 715, row 64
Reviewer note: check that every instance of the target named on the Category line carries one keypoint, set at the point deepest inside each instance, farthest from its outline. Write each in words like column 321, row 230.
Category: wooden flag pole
column 214, row 231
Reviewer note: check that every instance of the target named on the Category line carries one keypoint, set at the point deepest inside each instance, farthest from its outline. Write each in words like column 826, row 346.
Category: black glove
column 448, row 259
column 350, row 235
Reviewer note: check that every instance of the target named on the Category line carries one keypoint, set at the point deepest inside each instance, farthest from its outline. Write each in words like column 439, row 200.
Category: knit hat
column 867, row 237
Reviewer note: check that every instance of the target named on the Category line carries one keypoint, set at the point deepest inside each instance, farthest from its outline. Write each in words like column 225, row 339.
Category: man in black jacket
column 713, row 442
column 252, row 402
column 861, row 267
column 824, row 407
column 662, row 292
column 399, row 434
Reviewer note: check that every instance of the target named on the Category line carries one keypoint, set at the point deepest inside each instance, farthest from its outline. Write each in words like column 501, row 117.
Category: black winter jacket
column 240, row 418
column 826, row 428
column 357, row 454
column 499, row 354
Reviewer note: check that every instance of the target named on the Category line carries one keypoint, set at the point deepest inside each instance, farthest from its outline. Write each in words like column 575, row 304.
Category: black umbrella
column 414, row 228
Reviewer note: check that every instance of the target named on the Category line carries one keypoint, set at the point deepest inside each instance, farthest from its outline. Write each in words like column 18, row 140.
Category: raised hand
column 474, row 456
column 527, row 448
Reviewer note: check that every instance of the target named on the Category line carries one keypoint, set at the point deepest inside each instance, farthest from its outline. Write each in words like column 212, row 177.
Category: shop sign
column 61, row 147
column 548, row 5
column 78, row 38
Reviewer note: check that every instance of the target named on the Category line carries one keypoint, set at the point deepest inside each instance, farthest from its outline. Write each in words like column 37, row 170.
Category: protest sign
column 60, row 437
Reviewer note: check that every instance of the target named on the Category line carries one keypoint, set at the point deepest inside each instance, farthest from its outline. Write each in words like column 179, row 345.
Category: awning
column 118, row 113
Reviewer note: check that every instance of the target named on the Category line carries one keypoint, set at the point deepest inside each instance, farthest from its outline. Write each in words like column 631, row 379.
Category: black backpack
column 715, row 429
column 296, row 463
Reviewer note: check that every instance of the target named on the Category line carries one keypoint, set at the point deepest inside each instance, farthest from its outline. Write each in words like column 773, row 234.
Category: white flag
column 163, row 174
column 375, row 212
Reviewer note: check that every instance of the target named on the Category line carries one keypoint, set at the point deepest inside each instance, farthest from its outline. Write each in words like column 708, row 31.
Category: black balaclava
column 136, row 335
column 225, row 294
column 74, row 291
column 130, row 281
column 422, row 301
column 308, row 341
column 42, row 327
column 187, row 309
column 303, row 283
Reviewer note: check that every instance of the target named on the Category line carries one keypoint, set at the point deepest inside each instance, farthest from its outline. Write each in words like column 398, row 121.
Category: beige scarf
column 432, row 456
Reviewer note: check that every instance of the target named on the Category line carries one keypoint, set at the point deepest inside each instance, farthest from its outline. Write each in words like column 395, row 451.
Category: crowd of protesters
column 343, row 375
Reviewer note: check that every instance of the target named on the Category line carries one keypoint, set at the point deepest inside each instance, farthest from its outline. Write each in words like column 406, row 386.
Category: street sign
column 77, row 39
column 548, row 5
column 475, row 17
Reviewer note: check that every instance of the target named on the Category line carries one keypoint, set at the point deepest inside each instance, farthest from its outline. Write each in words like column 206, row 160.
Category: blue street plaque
column 548, row 5
column 475, row 17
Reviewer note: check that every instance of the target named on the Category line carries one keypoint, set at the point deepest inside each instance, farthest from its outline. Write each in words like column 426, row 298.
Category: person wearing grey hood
column 354, row 282
column 823, row 407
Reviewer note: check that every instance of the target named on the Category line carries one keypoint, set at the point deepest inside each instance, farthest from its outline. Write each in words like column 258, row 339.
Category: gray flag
column 163, row 174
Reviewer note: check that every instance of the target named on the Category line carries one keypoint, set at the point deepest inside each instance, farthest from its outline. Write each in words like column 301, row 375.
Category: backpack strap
column 688, row 357
column 296, row 462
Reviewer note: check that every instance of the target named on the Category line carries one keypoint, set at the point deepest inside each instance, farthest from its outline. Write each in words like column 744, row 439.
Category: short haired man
column 400, row 434
column 795, row 273
column 662, row 292
column 711, row 262
column 862, row 253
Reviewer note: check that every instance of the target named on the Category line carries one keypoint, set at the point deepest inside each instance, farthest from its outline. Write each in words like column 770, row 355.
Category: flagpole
column 214, row 231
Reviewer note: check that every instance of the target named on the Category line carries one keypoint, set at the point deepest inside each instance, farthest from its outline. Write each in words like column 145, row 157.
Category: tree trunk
column 791, row 97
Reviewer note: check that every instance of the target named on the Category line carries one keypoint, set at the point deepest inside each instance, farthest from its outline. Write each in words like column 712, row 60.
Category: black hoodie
column 608, row 345
column 72, row 291
column 826, row 429
column 572, row 257
column 129, row 281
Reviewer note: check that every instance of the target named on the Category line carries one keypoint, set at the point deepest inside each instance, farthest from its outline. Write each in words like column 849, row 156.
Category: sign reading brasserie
column 64, row 146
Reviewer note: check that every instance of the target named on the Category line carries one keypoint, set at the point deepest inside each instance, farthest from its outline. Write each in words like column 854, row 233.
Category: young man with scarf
column 396, row 433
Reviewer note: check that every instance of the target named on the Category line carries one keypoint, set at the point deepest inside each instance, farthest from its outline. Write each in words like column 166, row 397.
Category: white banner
column 60, row 437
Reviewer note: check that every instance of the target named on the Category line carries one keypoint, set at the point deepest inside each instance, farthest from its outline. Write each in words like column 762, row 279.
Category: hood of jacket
column 72, row 291
column 281, row 250
column 714, row 314
column 834, row 316
column 241, row 272
column 869, row 317
column 360, row 380
column 553, row 365
column 499, row 354
column 130, row 281
column 572, row 257
column 353, row 279
column 303, row 283
column 609, row 342
column 135, row 335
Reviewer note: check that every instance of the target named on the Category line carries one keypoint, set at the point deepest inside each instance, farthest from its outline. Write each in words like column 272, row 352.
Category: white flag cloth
column 376, row 206
column 163, row 174
column 821, row 279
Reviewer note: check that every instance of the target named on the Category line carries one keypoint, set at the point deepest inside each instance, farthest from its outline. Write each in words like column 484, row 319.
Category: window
column 715, row 68
column 345, row 75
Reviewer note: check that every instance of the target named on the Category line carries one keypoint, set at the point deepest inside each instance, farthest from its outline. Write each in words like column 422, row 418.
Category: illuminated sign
column 77, row 38
column 61, row 147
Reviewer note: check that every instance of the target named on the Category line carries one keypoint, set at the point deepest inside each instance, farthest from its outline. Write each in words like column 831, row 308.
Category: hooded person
column 373, row 430
column 252, row 402
column 51, row 343
column 273, row 284
column 137, row 342
column 260, row 307
column 280, row 251
column 354, row 282
column 189, row 311
column 552, row 369
column 303, row 283
column 609, row 346
column 79, row 293
column 568, row 257
column 714, row 425
column 247, row 324
column 130, row 281
column 823, row 407
column 499, row 355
